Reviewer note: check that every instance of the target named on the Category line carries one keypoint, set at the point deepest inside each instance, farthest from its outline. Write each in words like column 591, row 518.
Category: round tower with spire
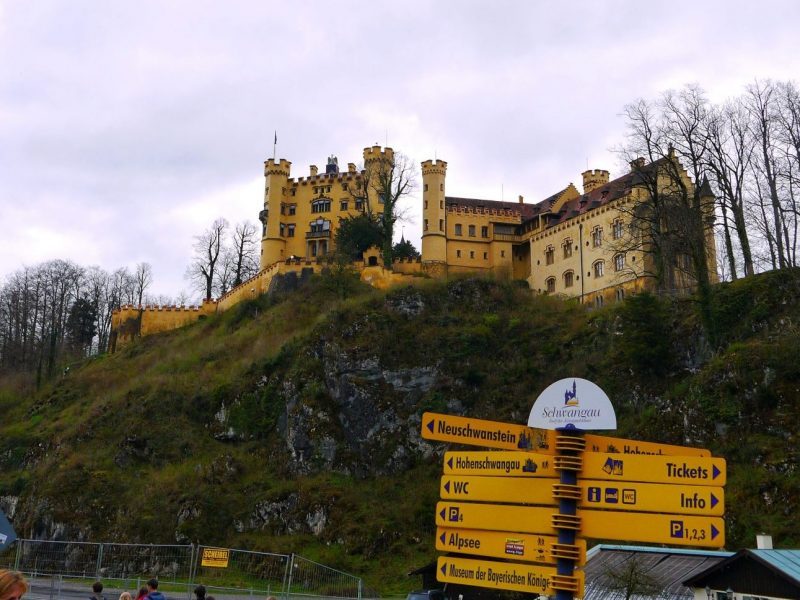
column 434, row 213
column 273, row 244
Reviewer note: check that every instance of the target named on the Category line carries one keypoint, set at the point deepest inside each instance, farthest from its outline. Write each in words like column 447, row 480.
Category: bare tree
column 381, row 189
column 142, row 277
column 207, row 249
column 244, row 245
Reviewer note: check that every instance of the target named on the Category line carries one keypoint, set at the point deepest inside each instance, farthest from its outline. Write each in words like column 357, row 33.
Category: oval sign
column 573, row 403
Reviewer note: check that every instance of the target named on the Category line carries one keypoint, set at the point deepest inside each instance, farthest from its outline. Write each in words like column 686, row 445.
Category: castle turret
column 272, row 243
column 594, row 179
column 434, row 215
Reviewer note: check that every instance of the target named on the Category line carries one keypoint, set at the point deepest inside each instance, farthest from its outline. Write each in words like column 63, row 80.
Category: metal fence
column 67, row 569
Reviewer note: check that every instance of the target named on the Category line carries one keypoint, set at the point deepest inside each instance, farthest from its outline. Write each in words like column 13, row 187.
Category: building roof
column 662, row 568
column 783, row 563
column 526, row 210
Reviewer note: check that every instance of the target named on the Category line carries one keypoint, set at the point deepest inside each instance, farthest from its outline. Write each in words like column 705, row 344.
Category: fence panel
column 171, row 563
column 312, row 580
column 78, row 559
column 256, row 573
column 8, row 556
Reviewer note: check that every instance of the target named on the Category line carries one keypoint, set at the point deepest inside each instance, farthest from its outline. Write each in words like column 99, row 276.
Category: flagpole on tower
column 274, row 144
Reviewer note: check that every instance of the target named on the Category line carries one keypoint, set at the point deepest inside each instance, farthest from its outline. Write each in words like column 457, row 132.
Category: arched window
column 567, row 246
column 321, row 205
column 569, row 278
column 597, row 236
column 551, row 285
column 598, row 268
column 549, row 255
column 616, row 229
column 619, row 262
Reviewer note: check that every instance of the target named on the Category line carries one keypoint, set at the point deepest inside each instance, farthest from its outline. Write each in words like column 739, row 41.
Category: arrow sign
column 499, row 463
column 691, row 470
column 495, row 517
column 523, row 547
column 534, row 579
column 511, row 436
column 514, row 490
column 680, row 530
column 651, row 497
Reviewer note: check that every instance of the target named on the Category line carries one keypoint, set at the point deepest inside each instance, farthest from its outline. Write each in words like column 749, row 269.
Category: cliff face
column 291, row 423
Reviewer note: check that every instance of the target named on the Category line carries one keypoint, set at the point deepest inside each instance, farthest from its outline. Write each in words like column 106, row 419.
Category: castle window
column 569, row 278
column 458, row 229
column 598, row 301
column 620, row 294
column 567, row 246
column 344, row 186
column 425, row 205
column 328, row 189
column 484, row 231
column 551, row 285
column 283, row 209
column 425, row 225
column 597, row 237
column 360, row 205
column 292, row 209
column 319, row 206
column 502, row 253
column 426, row 187
column 441, row 224
column 485, row 256
column 441, row 204
column 598, row 268
column 320, row 225
column 458, row 253
column 472, row 231
column 617, row 229
column 282, row 229
column 290, row 230
column 549, row 255
column 619, row 262
column 343, row 205
column 472, row 253
column 294, row 191
column 441, row 187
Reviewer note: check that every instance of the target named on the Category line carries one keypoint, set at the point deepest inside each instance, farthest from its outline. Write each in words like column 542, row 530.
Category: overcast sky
column 126, row 128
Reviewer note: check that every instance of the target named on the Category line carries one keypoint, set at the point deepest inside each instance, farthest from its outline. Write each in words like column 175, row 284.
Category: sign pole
column 569, row 446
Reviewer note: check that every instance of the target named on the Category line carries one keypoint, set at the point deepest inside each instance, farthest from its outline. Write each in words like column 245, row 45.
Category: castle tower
column 376, row 159
column 434, row 214
column 272, row 243
column 594, row 179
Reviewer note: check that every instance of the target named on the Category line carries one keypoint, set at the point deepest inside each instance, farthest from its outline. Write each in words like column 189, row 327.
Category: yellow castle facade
column 571, row 243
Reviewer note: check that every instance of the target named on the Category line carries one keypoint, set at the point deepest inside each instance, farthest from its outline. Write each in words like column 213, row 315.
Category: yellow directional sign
column 692, row 470
column 640, row 497
column 612, row 445
column 489, row 434
column 525, row 547
column 625, row 496
column 516, row 490
column 707, row 532
column 511, row 436
column 499, row 463
column 495, row 517
column 501, row 575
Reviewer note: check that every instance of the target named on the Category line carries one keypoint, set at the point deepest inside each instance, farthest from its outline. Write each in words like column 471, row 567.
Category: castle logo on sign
column 573, row 404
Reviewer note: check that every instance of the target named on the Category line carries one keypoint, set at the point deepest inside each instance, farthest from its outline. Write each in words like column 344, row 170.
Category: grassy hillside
column 291, row 423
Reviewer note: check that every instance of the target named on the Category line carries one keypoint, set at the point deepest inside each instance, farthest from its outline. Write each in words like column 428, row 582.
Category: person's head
column 142, row 592
column 200, row 592
column 12, row 585
column 97, row 587
column 125, row 596
column 152, row 584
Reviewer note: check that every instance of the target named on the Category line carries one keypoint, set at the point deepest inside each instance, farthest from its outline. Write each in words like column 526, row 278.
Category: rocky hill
column 291, row 423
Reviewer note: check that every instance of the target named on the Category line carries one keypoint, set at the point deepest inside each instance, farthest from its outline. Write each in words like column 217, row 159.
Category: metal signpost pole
column 569, row 445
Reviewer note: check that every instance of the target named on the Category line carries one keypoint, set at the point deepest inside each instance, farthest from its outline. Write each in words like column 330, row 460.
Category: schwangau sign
column 573, row 403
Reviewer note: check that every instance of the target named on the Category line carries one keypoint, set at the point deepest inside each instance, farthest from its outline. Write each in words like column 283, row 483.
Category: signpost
column 655, row 469
column 519, row 577
column 498, row 463
column 7, row 534
column 542, row 486
column 524, row 547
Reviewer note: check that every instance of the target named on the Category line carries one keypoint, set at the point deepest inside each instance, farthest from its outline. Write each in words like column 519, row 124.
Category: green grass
column 126, row 443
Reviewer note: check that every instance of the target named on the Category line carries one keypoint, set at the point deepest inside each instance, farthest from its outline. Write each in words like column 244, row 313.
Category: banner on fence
column 215, row 557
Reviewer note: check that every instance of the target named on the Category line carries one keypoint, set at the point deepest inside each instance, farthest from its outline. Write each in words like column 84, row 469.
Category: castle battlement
column 377, row 154
column 434, row 167
column 281, row 167
column 478, row 210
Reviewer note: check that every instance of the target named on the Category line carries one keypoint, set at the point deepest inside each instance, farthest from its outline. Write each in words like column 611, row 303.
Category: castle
column 571, row 243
